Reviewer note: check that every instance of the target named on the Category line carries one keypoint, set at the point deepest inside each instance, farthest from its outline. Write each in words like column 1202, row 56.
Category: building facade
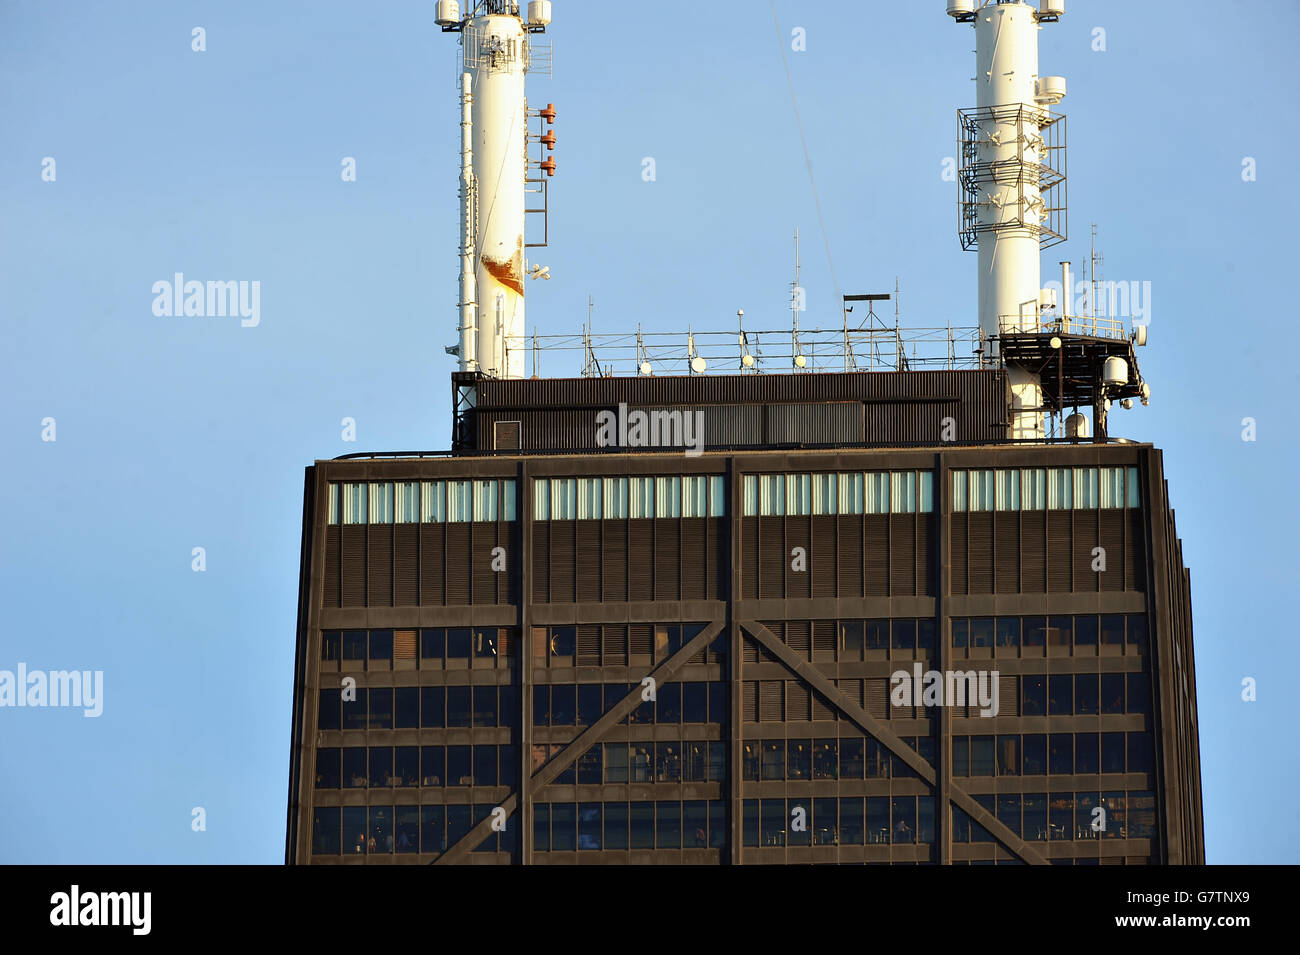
column 854, row 624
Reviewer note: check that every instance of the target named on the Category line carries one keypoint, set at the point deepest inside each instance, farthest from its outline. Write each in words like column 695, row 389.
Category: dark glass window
column 615, row 825
column 331, row 648
column 589, row 766
column 1009, row 812
column 1035, row 761
column 851, row 821
column 458, row 642
column 328, row 768
column 668, row 824
column 590, row 829
column 408, row 828
column 508, row 705
column 563, row 641
column 1139, row 753
column 1087, row 700
column 325, row 831
column 381, row 708
column 1085, row 633
column 641, row 763
column 459, row 706
column 406, row 707
column 1060, row 753
column 1060, row 809
column 1141, row 815
column 773, row 822
column 981, row 632
column 1112, row 692
column 1035, row 816
column 590, row 698
column 717, row 761
column 1008, row 633
column 925, row 819
column 509, row 761
column 458, row 823
column 354, row 711
column 749, row 760
column 851, row 759
column 717, row 703
column 614, row 694
column 541, row 705
column 1112, row 752
column 773, row 759
column 1060, row 633
column 1139, row 693
column 354, row 646
column 485, row 706
column 328, row 713
column 381, row 829
column 1087, row 753
column 903, row 635
column 433, row 825
column 354, row 829
column 1137, row 631
column 485, row 642
column 354, row 767
column 960, row 826
column 695, row 768
column 615, row 762
column 925, row 635
column 668, row 708
column 1112, row 630
column 877, row 760
column 381, row 766
column 960, row 633
column 668, row 762
column 485, row 765
column 877, row 819
column 717, row 824
column 1084, row 804
column 1033, row 692
column 460, row 772
column 749, row 822
column 433, row 706
column 1060, row 694
column 1035, row 631
column 877, row 635
column 1008, row 755
column 433, row 765
column 850, row 639
column 961, row 755
column 695, row 702
column 903, row 825
column 981, row 755
column 799, row 759
column 381, row 645
column 433, row 644
column 542, row 827
column 406, row 765
column 641, row 822
column 825, row 759
column 564, row 704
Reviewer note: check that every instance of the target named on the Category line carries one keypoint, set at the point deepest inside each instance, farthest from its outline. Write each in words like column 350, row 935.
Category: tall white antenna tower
column 1010, row 143
column 497, row 52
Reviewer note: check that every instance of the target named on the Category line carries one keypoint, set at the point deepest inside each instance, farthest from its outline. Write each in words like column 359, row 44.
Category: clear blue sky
column 225, row 164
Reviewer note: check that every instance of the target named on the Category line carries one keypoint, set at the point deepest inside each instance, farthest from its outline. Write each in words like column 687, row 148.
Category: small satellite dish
column 698, row 365
column 800, row 361
column 1055, row 343
column 747, row 361
column 645, row 368
column 1126, row 403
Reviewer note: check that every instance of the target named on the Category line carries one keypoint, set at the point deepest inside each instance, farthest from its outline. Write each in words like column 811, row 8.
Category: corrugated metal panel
column 1006, row 529
column 1033, row 551
column 902, row 555
column 1111, row 540
column 798, row 583
column 876, row 547
column 406, row 565
column 828, row 423
column 613, row 577
column 332, row 548
column 459, row 563
column 432, row 561
column 1085, row 539
column 1058, row 551
column 980, row 568
column 485, row 579
column 353, row 570
column 1134, row 552
column 798, row 701
column 379, row 565
column 821, row 560
column 958, row 552
column 587, row 542
column 925, row 565
column 640, row 552
column 668, row 560
column 849, row 555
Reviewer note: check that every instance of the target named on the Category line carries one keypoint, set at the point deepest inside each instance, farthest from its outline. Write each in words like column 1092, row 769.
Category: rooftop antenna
column 590, row 367
column 537, row 356
column 643, row 366
column 796, row 306
column 694, row 361
column 1096, row 259
column 747, row 361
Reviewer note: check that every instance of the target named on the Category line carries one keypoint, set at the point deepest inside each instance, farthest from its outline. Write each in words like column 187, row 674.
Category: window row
column 618, row 645
column 368, row 830
column 666, row 761
column 853, row 821
column 584, row 703
column 406, row 767
column 1055, row 754
column 1037, row 489
column 617, row 498
column 433, row 647
column 422, row 502
column 1084, row 694
column 414, row 707
column 567, row 826
column 1085, row 632
column 1063, row 816
column 830, row 758
column 870, row 492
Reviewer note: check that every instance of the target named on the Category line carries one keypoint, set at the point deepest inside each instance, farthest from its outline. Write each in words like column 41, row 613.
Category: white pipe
column 1067, row 295
column 468, row 286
